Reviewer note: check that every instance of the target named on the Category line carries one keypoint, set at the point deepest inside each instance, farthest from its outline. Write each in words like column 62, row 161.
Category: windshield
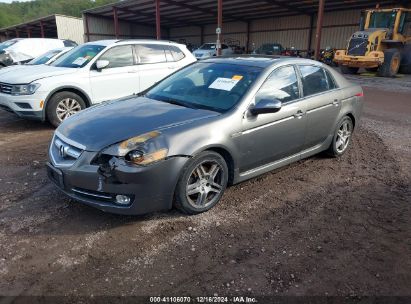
column 207, row 46
column 214, row 86
column 44, row 58
column 382, row 20
column 79, row 56
column 6, row 44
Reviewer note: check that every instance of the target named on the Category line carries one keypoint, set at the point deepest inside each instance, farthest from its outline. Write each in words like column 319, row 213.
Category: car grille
column 5, row 88
column 357, row 47
column 62, row 153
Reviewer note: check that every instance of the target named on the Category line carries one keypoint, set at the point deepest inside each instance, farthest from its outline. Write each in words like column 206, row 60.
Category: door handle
column 299, row 114
column 336, row 102
column 171, row 67
column 132, row 71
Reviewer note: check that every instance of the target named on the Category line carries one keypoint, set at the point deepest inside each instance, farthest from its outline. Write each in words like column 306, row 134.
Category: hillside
column 18, row 12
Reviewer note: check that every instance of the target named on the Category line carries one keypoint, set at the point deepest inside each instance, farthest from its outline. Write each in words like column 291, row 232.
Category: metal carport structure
column 53, row 26
column 162, row 18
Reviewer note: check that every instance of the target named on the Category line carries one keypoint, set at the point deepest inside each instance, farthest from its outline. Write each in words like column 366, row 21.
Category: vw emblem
column 62, row 151
column 357, row 46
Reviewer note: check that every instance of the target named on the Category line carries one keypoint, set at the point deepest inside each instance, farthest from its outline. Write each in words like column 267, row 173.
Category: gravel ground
column 318, row 227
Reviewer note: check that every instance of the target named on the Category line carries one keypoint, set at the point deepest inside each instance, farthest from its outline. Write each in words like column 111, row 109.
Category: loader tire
column 405, row 67
column 348, row 70
column 391, row 65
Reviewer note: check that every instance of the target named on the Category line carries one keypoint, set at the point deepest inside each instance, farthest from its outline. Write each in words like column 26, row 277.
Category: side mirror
column 266, row 106
column 101, row 64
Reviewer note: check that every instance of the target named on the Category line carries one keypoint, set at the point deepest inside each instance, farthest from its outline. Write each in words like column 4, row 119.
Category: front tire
column 202, row 183
column 348, row 70
column 342, row 137
column 391, row 65
column 62, row 105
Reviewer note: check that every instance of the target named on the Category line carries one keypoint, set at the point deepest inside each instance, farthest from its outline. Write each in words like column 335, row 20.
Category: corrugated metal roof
column 200, row 12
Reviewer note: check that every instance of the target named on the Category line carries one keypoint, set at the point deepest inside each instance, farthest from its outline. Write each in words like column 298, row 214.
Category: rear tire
column 391, row 65
column 342, row 137
column 405, row 67
column 348, row 70
column 60, row 102
column 202, row 183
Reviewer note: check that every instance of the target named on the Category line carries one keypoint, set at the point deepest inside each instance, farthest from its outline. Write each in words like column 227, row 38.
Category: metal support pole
column 116, row 27
column 201, row 35
column 42, row 29
column 219, row 25
column 247, row 43
column 158, row 21
column 28, row 32
column 310, row 34
column 319, row 29
column 87, row 28
column 17, row 33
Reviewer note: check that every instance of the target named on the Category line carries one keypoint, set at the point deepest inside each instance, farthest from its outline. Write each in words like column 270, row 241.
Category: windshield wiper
column 177, row 102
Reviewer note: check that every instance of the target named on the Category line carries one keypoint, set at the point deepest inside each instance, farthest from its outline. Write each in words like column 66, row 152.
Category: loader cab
column 381, row 20
column 396, row 20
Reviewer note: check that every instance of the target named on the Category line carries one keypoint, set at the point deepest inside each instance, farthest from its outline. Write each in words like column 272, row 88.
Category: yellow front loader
column 382, row 46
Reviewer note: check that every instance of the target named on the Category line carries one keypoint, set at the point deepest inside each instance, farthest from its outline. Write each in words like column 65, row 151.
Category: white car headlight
column 24, row 89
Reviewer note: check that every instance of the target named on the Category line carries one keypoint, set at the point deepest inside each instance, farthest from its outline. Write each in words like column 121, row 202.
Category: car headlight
column 24, row 89
column 141, row 150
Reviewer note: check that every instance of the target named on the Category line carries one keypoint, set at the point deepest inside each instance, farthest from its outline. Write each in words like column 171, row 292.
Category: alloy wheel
column 67, row 107
column 205, row 184
column 343, row 136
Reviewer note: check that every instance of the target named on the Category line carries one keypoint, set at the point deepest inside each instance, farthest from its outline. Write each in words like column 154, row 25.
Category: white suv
column 88, row 74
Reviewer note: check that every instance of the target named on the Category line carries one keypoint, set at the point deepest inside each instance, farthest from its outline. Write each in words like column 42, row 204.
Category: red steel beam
column 158, row 21
column 42, row 29
column 87, row 27
column 116, row 27
column 319, row 28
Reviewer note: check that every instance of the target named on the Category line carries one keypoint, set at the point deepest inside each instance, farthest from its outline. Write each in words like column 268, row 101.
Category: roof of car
column 262, row 61
column 127, row 41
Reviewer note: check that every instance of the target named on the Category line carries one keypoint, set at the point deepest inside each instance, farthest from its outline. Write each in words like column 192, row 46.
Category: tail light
column 361, row 94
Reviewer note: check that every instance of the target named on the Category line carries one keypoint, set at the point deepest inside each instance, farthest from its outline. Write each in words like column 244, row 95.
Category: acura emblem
column 62, row 151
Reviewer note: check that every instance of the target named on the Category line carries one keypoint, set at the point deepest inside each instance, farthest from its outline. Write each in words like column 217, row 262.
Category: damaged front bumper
column 150, row 188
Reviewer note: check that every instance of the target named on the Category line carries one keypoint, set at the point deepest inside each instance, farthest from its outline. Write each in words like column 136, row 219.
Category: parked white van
column 89, row 74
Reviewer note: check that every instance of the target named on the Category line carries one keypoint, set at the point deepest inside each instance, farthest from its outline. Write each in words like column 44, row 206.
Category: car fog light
column 122, row 199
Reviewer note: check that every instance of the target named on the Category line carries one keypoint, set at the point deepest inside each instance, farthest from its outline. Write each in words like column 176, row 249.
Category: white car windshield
column 43, row 59
column 207, row 46
column 79, row 56
column 6, row 45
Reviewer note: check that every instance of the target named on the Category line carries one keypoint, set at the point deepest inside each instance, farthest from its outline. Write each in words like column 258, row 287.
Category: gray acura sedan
column 214, row 123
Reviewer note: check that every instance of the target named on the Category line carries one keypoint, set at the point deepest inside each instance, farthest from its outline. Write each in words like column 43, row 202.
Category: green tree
column 19, row 12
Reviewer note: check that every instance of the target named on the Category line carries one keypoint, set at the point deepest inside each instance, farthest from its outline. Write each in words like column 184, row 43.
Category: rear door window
column 176, row 53
column 151, row 53
column 314, row 79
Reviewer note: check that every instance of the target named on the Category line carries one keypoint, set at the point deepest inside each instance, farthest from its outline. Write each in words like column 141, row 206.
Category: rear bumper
column 150, row 188
column 373, row 60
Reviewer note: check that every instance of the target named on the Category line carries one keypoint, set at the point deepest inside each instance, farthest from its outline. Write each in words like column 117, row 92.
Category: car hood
column 32, row 73
column 103, row 125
